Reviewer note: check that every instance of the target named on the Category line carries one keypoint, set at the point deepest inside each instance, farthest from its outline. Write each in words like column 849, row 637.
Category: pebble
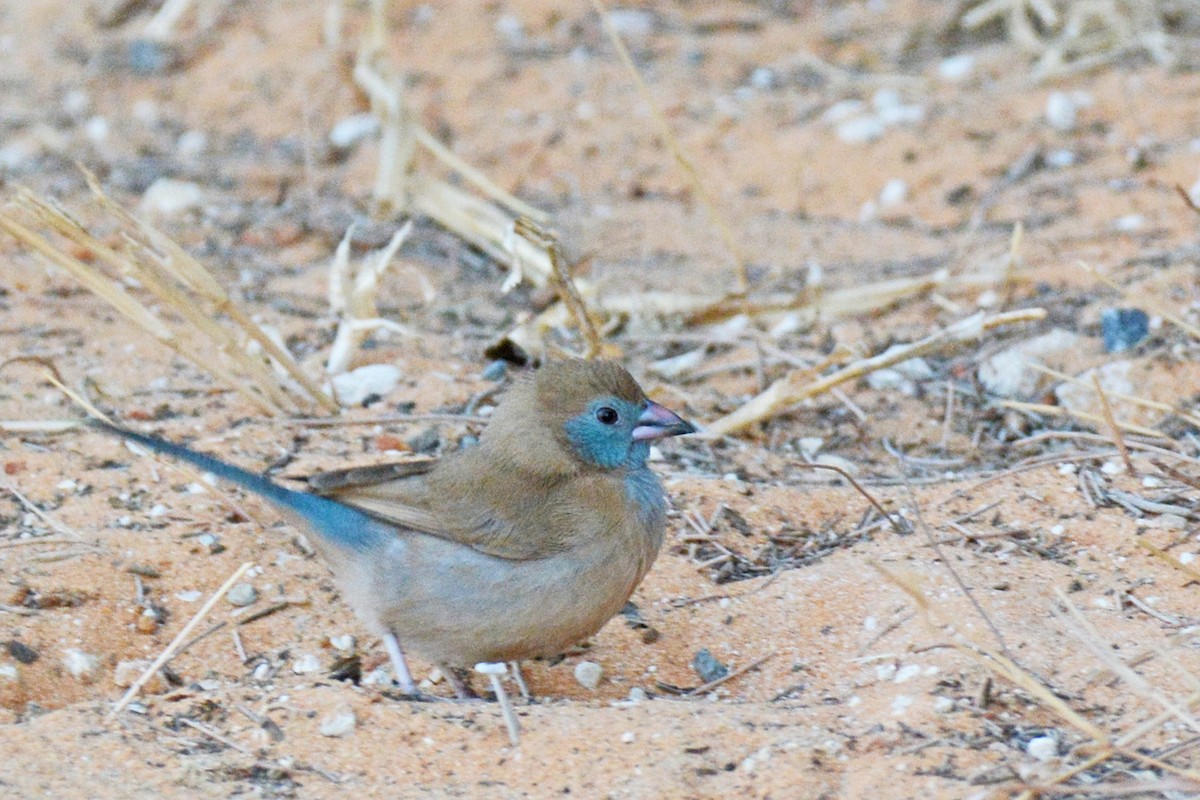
column 956, row 68
column 1009, row 374
column 1062, row 112
column 860, row 130
column 1129, row 223
column 632, row 22
column 708, row 667
column 893, row 193
column 907, row 673
column 901, row 704
column 891, row 380
column 1123, row 328
column 1114, row 379
column 1187, row 558
column 81, row 665
column 126, row 672
column 495, row 371
column 1043, row 748
column 306, row 664
column 943, row 705
column 355, row 386
column 242, row 594
column 339, row 723
column 168, row 197
column 344, row 643
column 191, row 144
column 588, row 674
column 426, row 441
column 351, row 130
column 627, row 737
column 9, row 673
column 1171, row 522
column 190, row 596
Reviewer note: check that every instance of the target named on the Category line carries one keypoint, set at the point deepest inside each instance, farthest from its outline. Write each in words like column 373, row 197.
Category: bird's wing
column 400, row 494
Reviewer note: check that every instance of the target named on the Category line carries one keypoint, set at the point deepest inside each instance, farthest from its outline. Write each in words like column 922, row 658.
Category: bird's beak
column 657, row 421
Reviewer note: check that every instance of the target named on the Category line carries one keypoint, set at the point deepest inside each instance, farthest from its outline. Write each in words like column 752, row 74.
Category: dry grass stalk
column 1167, row 558
column 564, row 283
column 166, row 271
column 168, row 653
column 1059, row 411
column 352, row 299
column 1132, row 399
column 797, row 387
column 401, row 185
column 672, row 143
column 1071, row 36
column 798, row 309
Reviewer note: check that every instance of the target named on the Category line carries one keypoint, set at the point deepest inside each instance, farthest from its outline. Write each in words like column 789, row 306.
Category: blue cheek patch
column 608, row 446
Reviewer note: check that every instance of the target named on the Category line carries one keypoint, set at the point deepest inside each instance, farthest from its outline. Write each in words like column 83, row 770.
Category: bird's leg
column 399, row 665
column 519, row 677
column 458, row 680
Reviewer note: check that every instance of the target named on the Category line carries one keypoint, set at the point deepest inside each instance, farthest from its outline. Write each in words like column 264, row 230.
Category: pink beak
column 658, row 421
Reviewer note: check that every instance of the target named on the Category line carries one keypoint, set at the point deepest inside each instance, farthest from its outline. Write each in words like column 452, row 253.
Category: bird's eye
column 606, row 415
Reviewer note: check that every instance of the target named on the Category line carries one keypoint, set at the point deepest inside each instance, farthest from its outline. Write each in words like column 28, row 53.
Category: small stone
column 891, row 380
column 632, row 22
column 191, row 144
column 1129, row 223
column 81, row 665
column 343, row 643
column 1187, row 558
column 1060, row 158
column 860, row 130
column 9, row 673
column 907, row 673
column 189, row 596
column 956, row 68
column 373, row 380
column 306, row 664
column 1042, row 748
column 708, row 667
column 588, row 674
column 627, row 737
column 901, row 704
column 1171, row 522
column 637, row 695
column 943, row 705
column 495, row 371
column 339, row 723
column 1009, row 374
column 1062, row 112
column 168, row 197
column 1114, row 378
column 242, row 594
column 426, row 441
column 21, row 652
column 893, row 193
column 348, row 132
column 1123, row 328
column 147, row 621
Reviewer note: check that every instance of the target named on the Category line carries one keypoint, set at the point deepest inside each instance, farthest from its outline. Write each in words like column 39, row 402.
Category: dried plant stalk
column 797, row 386
column 564, row 283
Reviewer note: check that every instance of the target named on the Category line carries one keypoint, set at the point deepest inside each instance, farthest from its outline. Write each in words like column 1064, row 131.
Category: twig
column 795, row 388
column 167, row 654
column 704, row 688
column 1167, row 558
column 568, row 292
column 210, row 733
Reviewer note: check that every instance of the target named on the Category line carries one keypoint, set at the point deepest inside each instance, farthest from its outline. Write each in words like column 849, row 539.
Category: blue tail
column 333, row 521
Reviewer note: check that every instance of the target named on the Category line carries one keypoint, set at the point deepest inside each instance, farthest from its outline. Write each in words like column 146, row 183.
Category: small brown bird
column 516, row 548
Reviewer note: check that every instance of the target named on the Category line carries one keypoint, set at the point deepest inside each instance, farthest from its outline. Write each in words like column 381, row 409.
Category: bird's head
column 594, row 410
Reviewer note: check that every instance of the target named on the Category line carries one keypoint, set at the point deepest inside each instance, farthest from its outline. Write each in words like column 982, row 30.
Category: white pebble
column 860, row 130
column 1058, row 530
column 1187, row 558
column 191, row 144
column 1152, row 482
column 1111, row 468
column 351, row 130
column 907, row 673
column 8, row 673
column 1067, row 469
column 631, row 22
column 1129, row 223
column 893, row 193
column 190, row 596
column 956, row 68
column 943, row 705
column 588, row 674
column 1060, row 159
column 306, row 664
column 1043, row 748
column 340, row 723
column 627, row 737
column 242, row 594
column 96, row 129
column 885, row 672
column 1062, row 112
column 345, row 643
column 81, row 665
column 168, row 197
column 355, row 386
column 901, row 704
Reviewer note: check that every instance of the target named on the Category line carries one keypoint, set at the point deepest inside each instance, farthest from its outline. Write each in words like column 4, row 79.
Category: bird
column 518, row 547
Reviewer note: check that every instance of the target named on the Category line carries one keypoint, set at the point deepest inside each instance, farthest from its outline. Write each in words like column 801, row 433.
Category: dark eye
column 606, row 415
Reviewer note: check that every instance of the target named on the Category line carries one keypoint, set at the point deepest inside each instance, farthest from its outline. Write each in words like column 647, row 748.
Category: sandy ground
column 855, row 692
